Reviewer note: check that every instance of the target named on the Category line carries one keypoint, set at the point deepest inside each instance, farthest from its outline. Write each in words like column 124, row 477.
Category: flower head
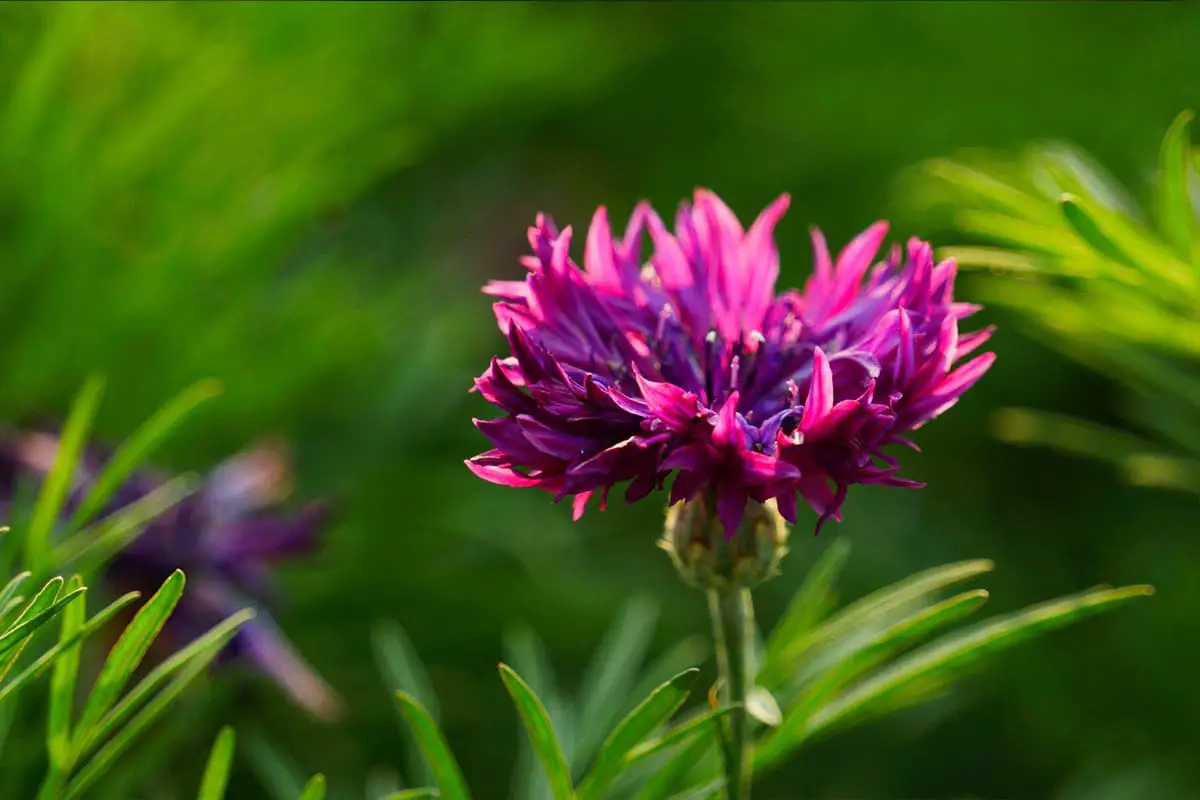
column 691, row 364
column 224, row 537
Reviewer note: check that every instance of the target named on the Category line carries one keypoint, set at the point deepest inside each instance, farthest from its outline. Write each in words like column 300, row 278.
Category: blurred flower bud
column 708, row 559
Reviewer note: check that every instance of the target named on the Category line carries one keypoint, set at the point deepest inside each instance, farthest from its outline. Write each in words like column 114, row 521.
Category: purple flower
column 692, row 365
column 224, row 537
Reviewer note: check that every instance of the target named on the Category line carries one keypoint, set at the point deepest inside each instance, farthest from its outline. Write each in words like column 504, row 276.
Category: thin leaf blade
column 216, row 771
column 643, row 721
column 541, row 734
column 437, row 753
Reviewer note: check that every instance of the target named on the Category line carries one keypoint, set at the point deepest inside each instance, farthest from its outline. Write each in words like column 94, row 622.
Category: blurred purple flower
column 693, row 365
column 225, row 537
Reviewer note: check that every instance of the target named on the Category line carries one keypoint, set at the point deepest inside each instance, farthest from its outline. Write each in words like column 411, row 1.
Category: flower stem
column 733, row 633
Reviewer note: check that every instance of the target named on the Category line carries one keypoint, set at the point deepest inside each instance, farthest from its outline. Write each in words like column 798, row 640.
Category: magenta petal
column 820, row 393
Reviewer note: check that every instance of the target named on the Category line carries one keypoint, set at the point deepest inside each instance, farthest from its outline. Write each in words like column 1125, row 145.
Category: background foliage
column 301, row 201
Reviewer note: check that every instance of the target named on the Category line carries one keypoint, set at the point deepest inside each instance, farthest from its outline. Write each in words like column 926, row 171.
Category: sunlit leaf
column 943, row 660
column 414, row 794
column 138, row 447
column 812, row 601
column 202, row 649
column 216, row 772
column 92, row 547
column 670, row 775
column 47, row 659
column 153, row 710
column 1176, row 217
column 541, row 734
column 643, row 721
column 437, row 753
column 62, row 688
column 613, row 671
column 128, row 652
column 314, row 789
column 403, row 671
column 40, row 610
column 875, row 611
column 58, row 481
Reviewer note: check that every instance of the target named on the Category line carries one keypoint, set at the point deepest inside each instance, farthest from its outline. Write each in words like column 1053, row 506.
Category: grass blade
column 128, row 653
column 216, row 772
column 9, row 594
column 277, row 773
column 812, row 600
column 58, row 482
column 671, row 774
column 206, row 647
column 403, row 671
column 91, row 548
column 679, row 734
column 40, row 610
column 47, row 659
column 613, row 671
column 314, row 789
column 414, row 794
column 437, row 753
column 150, row 713
column 643, row 721
column 541, row 734
column 834, row 669
column 62, row 689
column 138, row 447
column 876, row 610
column 1176, row 217
column 941, row 660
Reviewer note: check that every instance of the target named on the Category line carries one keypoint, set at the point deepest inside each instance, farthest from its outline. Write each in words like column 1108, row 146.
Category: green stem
column 733, row 633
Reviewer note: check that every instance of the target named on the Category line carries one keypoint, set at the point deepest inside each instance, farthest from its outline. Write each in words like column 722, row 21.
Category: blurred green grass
column 301, row 200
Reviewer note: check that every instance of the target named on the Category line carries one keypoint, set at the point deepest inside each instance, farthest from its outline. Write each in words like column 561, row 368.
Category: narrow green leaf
column 875, row 611
column 9, row 593
column 992, row 192
column 613, row 671
column 62, row 683
column 1124, row 241
column 216, row 772
column 47, row 659
column 665, row 779
column 833, row 669
column 45, row 606
column 1141, row 461
column 526, row 653
column 643, row 721
column 414, row 794
column 92, row 547
column 276, row 771
column 1085, row 226
column 403, row 671
column 138, row 447
column 696, row 726
column 1176, row 217
column 314, row 789
column 205, row 648
column 812, row 600
column 941, row 660
column 149, row 713
column 541, row 734
column 128, row 653
column 58, row 481
column 437, row 753
column 702, row 792
column 400, row 664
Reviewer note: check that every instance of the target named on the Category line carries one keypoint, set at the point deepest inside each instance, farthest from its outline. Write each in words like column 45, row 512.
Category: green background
column 302, row 200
